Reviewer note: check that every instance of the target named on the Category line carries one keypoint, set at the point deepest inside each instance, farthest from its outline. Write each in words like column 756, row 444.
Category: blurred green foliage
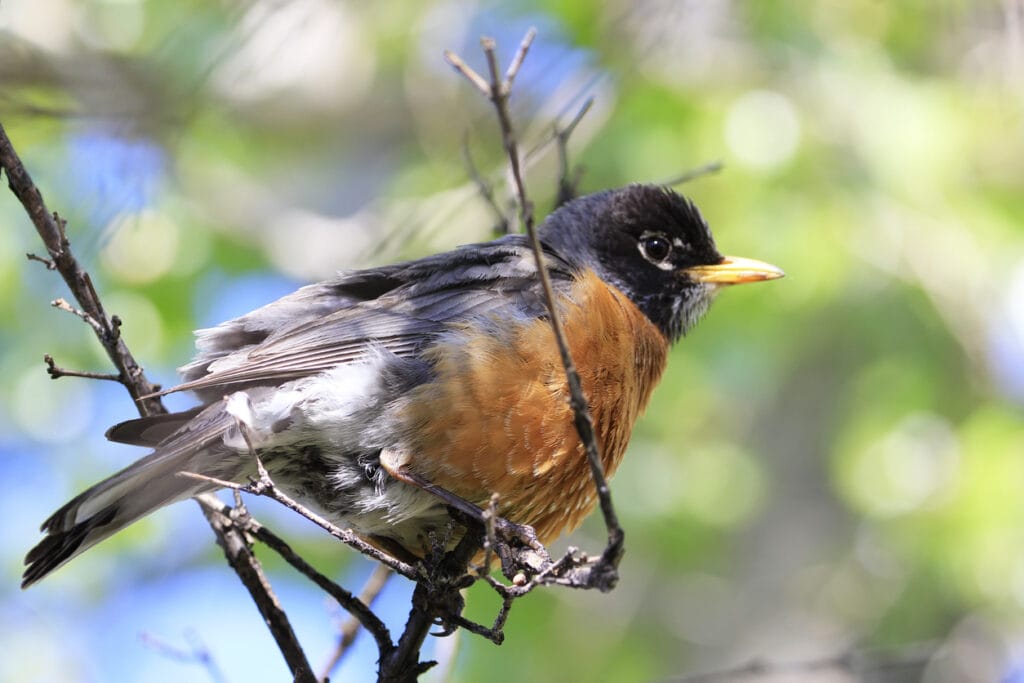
column 832, row 461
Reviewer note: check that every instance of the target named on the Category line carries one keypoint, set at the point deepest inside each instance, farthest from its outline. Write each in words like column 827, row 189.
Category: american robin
column 368, row 394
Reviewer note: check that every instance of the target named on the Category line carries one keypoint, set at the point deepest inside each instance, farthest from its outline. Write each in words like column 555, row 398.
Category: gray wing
column 400, row 308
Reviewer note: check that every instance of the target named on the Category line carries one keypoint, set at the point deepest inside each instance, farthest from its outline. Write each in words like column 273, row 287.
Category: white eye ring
column 656, row 247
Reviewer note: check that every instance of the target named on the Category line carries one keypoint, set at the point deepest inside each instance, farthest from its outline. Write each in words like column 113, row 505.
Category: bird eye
column 655, row 248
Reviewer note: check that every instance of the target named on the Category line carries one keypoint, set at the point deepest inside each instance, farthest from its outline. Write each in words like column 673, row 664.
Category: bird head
column 654, row 245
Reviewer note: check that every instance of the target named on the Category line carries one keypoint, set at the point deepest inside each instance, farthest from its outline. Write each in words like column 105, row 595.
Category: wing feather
column 398, row 308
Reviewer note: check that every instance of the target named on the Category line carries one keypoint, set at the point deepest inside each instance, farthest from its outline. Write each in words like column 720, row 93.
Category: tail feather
column 151, row 430
column 61, row 546
column 134, row 492
column 105, row 509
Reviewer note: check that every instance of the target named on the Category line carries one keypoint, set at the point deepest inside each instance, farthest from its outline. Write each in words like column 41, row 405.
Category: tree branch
column 241, row 558
column 263, row 485
column 51, row 229
column 57, row 372
column 435, row 599
column 350, row 629
column 498, row 90
column 694, row 173
column 197, row 653
column 568, row 179
column 502, row 225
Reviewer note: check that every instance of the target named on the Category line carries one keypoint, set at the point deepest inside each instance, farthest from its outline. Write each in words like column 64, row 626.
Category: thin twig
column 498, row 91
column 50, row 265
column 358, row 607
column 466, row 70
column 567, row 185
column 352, row 626
column 490, row 533
column 263, row 485
column 197, row 653
column 518, row 59
column 694, row 173
column 502, row 226
column 56, row 372
column 88, row 318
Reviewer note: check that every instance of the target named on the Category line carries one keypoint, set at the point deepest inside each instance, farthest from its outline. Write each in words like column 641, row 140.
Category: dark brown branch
column 241, row 558
column 56, row 372
column 51, row 229
column 352, row 626
column 498, row 90
column 357, row 607
column 435, row 599
column 569, row 177
column 50, row 265
column 263, row 485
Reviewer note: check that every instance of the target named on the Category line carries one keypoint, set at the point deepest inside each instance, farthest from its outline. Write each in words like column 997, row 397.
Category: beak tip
column 732, row 270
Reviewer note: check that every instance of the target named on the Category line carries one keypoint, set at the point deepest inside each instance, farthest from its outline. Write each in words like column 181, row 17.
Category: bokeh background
column 833, row 463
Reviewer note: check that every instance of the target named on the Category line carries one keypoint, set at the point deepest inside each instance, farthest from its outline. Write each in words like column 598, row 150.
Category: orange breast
column 497, row 419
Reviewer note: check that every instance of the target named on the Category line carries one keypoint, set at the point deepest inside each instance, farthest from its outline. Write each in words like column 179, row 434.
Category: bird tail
column 131, row 494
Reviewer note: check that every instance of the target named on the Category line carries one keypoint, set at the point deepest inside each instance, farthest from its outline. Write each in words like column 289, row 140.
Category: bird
column 367, row 395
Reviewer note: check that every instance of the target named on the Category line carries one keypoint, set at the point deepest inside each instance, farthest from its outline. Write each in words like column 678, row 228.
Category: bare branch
column 466, row 70
column 693, row 174
column 50, row 265
column 568, row 181
column 263, row 485
column 51, row 229
column 498, row 94
column 63, row 305
column 520, row 57
column 490, row 533
column 350, row 629
column 241, row 558
column 436, row 597
column 56, row 372
column 221, row 483
column 357, row 607
column 197, row 653
column 502, row 225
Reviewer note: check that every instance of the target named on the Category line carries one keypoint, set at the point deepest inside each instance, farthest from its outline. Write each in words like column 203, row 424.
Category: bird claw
column 517, row 534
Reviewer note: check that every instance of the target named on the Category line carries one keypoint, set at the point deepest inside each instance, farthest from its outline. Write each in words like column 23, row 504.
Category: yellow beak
column 734, row 270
